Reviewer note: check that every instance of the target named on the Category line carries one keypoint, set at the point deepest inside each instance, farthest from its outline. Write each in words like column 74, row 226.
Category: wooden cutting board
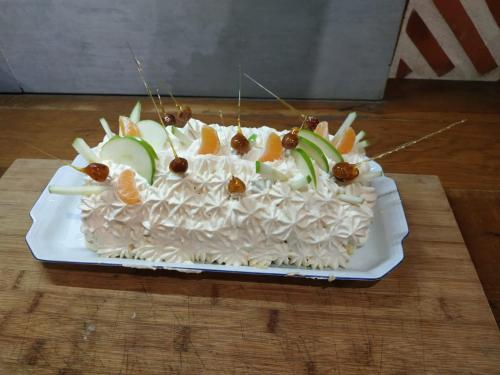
column 430, row 316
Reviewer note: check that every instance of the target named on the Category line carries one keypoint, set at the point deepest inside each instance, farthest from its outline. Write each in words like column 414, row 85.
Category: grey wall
column 8, row 82
column 302, row 49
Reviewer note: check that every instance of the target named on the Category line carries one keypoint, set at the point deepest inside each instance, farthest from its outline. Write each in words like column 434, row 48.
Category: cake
column 282, row 218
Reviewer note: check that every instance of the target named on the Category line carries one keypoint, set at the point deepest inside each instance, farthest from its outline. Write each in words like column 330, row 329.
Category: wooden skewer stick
column 286, row 104
column 239, row 98
column 148, row 90
column 177, row 105
column 159, row 100
column 51, row 156
column 221, row 115
column 411, row 143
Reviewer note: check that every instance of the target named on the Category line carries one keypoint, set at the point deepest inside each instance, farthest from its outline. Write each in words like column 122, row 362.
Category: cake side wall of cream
column 192, row 218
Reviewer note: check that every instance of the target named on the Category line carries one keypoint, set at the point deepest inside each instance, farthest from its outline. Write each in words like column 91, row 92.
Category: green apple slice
column 77, row 190
column 135, row 115
column 360, row 136
column 268, row 171
column 106, row 127
column 153, row 133
column 135, row 153
column 325, row 146
column 345, row 125
column 83, row 149
column 149, row 148
column 305, row 165
column 364, row 144
column 252, row 138
column 314, row 152
column 299, row 182
column 352, row 199
column 181, row 136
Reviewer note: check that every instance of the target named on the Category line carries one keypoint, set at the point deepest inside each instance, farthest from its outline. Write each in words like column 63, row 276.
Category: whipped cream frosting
column 193, row 218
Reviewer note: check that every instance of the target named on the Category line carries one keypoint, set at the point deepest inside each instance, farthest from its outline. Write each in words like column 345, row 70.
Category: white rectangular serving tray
column 55, row 236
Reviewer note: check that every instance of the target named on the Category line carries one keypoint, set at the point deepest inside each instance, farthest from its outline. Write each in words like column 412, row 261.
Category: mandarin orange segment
column 274, row 148
column 209, row 141
column 347, row 142
column 128, row 127
column 127, row 189
column 322, row 129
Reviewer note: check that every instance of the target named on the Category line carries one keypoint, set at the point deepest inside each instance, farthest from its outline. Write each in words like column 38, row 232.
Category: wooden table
column 467, row 159
column 430, row 316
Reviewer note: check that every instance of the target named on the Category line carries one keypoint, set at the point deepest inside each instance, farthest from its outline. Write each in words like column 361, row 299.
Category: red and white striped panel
column 449, row 39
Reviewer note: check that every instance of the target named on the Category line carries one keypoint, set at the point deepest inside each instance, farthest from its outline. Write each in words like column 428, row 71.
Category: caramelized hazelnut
column 96, row 171
column 240, row 143
column 169, row 119
column 178, row 165
column 311, row 122
column 236, row 186
column 344, row 171
column 184, row 114
column 290, row 140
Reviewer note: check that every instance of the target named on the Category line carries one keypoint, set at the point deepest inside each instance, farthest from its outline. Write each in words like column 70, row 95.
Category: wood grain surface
column 430, row 316
column 478, row 215
column 467, row 159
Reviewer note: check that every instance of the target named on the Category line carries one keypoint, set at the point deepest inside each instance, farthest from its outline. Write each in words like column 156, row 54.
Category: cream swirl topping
column 192, row 218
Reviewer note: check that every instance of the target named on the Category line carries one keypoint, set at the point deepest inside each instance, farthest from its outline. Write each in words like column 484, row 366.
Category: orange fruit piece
column 322, row 129
column 347, row 142
column 274, row 148
column 209, row 141
column 128, row 127
column 126, row 188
